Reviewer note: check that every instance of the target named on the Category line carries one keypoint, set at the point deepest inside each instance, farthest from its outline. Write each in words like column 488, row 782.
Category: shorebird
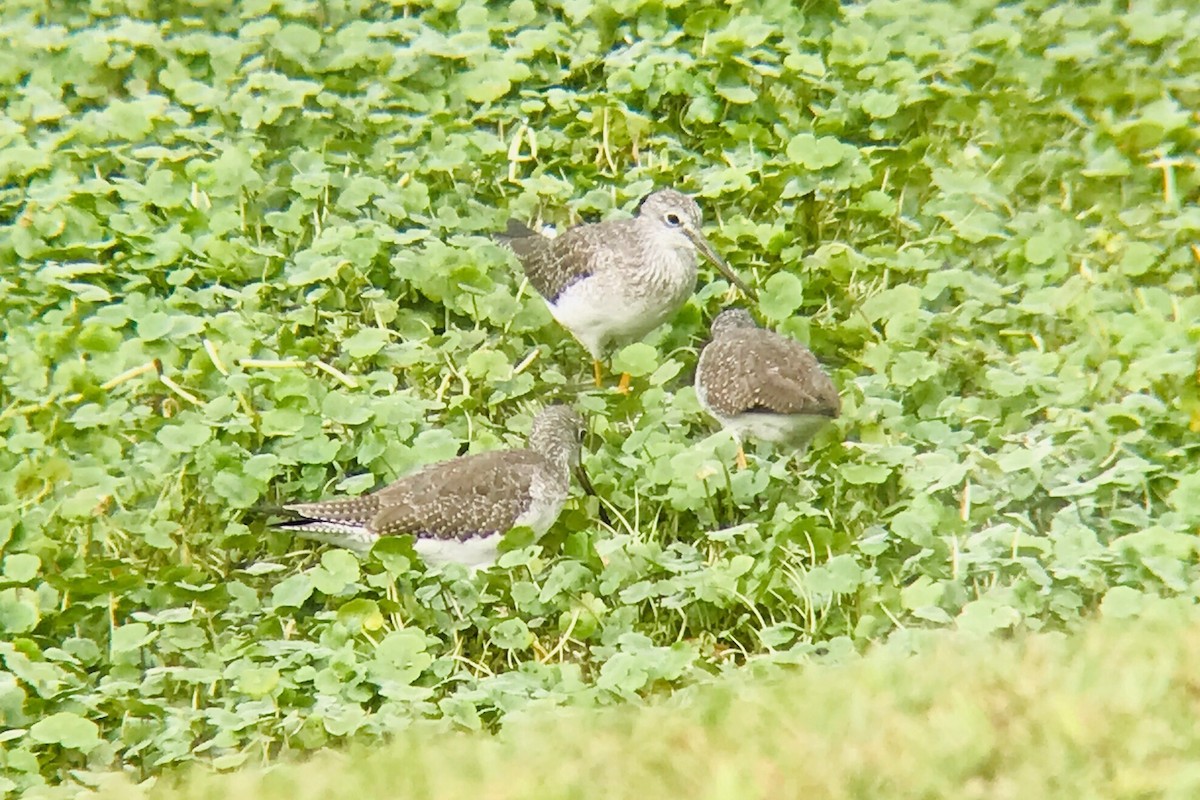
column 611, row 283
column 457, row 510
column 761, row 385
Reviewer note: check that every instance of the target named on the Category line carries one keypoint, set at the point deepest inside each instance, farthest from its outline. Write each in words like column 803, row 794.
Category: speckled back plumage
column 746, row 369
column 613, row 282
column 554, row 264
column 466, row 497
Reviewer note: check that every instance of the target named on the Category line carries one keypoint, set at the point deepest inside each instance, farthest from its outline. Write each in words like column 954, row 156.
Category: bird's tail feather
column 347, row 510
column 351, row 537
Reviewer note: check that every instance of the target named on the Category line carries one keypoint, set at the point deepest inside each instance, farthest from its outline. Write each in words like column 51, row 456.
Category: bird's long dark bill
column 706, row 250
column 586, row 483
column 584, row 480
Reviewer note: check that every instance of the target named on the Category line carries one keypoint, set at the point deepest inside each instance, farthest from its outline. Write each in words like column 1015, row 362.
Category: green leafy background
column 245, row 258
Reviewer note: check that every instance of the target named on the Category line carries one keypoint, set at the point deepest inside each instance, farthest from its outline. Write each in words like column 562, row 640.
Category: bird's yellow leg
column 740, row 459
column 597, row 372
column 623, row 386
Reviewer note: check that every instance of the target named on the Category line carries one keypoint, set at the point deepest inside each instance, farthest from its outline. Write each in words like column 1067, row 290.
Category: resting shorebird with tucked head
column 761, row 385
column 457, row 510
column 611, row 283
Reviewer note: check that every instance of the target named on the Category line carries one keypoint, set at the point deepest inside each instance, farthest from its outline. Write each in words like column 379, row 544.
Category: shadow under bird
column 761, row 385
column 611, row 283
column 458, row 510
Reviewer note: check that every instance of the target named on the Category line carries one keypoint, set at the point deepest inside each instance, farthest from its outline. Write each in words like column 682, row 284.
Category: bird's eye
column 673, row 220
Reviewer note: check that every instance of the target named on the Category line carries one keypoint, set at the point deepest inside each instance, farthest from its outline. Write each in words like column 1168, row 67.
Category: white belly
column 475, row 553
column 795, row 430
column 600, row 320
column 481, row 552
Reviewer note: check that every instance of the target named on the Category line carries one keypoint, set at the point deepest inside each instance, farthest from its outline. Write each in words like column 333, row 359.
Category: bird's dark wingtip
column 258, row 512
column 291, row 524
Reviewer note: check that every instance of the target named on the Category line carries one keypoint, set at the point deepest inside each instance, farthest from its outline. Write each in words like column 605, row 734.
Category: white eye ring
column 673, row 219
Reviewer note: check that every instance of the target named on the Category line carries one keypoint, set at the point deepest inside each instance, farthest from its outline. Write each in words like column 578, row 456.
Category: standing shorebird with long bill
column 611, row 283
column 458, row 510
column 761, row 385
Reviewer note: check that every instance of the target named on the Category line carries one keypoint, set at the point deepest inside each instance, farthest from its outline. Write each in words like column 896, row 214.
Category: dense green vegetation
column 1111, row 714
column 244, row 257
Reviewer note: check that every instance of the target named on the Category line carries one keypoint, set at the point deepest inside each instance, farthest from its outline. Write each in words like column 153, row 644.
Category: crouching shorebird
column 611, row 283
column 457, row 510
column 761, row 385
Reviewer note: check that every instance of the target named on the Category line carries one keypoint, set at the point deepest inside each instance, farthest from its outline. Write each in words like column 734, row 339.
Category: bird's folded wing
column 809, row 393
column 551, row 265
column 469, row 496
column 768, row 372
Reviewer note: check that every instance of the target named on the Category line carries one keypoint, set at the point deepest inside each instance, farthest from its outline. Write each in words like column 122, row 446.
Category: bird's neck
column 554, row 450
column 667, row 265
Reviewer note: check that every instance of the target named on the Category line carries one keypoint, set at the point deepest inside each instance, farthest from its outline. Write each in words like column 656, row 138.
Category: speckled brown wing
column 552, row 265
column 468, row 496
column 759, row 370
